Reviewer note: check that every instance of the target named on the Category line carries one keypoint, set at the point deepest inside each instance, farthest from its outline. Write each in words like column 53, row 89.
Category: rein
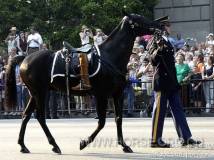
column 108, row 64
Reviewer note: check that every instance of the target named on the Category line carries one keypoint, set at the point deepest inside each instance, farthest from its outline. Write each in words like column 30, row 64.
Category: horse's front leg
column 101, row 105
column 118, row 104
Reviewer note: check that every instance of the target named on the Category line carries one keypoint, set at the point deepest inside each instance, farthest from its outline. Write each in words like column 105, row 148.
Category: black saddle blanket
column 59, row 64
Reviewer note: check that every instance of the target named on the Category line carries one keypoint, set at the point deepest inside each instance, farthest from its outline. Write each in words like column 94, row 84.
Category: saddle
column 58, row 66
column 84, row 49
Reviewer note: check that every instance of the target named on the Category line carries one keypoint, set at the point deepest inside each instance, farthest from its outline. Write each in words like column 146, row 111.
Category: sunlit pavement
column 69, row 132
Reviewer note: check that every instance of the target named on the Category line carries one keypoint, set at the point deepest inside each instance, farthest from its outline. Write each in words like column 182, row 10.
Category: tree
column 59, row 20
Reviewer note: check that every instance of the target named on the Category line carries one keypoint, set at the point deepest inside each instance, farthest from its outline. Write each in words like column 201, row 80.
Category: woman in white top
column 146, row 74
column 10, row 40
column 99, row 37
column 208, row 74
column 210, row 39
column 85, row 35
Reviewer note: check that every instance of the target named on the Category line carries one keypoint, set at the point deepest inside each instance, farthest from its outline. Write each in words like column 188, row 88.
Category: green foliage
column 59, row 20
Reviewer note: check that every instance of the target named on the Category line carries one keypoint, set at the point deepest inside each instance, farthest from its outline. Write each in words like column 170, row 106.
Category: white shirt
column 84, row 38
column 210, row 42
column 98, row 40
column 10, row 45
column 32, row 38
column 143, row 77
column 2, row 75
column 191, row 65
column 146, row 77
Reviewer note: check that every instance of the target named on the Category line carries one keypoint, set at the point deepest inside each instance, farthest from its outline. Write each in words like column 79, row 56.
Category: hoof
column 127, row 149
column 56, row 150
column 83, row 144
column 24, row 150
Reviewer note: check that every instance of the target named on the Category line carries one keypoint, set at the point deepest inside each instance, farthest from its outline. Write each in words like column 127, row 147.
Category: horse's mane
column 116, row 29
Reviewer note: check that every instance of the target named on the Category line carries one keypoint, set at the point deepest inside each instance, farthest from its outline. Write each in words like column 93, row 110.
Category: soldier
column 166, row 89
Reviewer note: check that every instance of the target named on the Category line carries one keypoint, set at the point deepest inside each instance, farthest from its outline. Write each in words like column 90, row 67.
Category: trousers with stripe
column 176, row 109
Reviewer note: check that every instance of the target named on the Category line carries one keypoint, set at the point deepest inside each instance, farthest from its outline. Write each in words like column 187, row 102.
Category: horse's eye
column 136, row 24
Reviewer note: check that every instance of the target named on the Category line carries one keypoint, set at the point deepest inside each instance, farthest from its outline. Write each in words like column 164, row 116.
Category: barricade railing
column 196, row 95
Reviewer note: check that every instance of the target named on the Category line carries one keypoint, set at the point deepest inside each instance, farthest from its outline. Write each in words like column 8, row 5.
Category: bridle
column 133, row 25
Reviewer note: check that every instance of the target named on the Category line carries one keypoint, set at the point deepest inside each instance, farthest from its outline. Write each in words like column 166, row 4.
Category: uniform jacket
column 165, row 73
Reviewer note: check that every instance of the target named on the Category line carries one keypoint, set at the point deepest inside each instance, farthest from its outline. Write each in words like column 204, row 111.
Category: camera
column 87, row 31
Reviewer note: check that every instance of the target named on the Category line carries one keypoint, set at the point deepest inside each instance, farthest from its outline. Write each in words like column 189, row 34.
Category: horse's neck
column 118, row 48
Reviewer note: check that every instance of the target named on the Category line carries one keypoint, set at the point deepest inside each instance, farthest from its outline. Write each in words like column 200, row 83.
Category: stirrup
column 81, row 86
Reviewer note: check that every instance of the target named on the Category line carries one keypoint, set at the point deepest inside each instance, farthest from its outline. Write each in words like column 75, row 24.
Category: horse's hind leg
column 26, row 117
column 40, row 110
column 118, row 104
column 101, row 112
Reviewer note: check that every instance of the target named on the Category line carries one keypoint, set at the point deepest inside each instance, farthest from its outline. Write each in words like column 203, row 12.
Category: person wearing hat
column 34, row 41
column 11, row 40
column 166, row 91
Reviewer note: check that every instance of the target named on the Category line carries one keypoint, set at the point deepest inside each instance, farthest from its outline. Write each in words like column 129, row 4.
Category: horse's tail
column 10, row 82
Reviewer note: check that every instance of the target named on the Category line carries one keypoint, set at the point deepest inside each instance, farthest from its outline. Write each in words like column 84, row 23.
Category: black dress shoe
column 160, row 144
column 190, row 142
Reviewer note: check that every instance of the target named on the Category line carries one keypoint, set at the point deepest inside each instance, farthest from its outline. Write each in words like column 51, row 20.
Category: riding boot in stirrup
column 84, row 82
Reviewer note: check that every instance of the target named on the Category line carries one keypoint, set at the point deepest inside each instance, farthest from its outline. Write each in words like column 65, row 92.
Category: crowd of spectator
column 18, row 43
column 25, row 43
column 194, row 66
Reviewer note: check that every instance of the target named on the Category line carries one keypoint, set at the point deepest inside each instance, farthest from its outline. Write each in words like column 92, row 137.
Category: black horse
column 35, row 71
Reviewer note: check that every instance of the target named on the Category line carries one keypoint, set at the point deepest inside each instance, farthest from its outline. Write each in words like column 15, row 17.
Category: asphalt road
column 69, row 132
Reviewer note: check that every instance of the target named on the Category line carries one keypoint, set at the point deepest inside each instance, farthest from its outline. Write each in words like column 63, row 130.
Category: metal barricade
column 198, row 95
column 194, row 99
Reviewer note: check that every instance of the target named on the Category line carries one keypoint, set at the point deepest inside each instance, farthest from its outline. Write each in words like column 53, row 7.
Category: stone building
column 192, row 18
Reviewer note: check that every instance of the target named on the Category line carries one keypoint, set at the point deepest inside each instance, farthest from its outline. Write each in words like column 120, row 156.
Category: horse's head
column 142, row 25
